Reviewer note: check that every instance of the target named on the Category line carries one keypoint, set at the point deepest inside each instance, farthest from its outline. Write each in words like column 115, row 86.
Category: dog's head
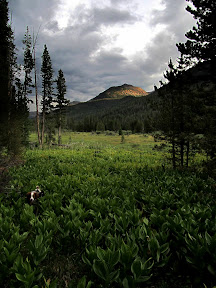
column 40, row 193
column 34, row 195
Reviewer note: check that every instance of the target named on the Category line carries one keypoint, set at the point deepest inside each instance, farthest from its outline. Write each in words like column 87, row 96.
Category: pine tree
column 201, row 43
column 4, row 72
column 28, row 63
column 201, row 47
column 12, row 120
column 47, row 85
column 60, row 101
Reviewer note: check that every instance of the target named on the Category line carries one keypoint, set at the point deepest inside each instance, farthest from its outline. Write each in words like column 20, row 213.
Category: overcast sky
column 104, row 43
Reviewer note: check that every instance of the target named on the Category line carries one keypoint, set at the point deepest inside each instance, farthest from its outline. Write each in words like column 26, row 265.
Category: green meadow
column 112, row 216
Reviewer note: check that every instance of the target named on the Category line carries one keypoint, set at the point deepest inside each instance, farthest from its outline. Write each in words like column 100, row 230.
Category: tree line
column 15, row 91
column 129, row 113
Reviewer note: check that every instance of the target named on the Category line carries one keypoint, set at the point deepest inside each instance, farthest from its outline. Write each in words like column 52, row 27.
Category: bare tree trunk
column 187, row 153
column 43, row 127
column 173, row 136
column 36, row 98
column 173, row 154
column 10, row 126
column 36, row 90
column 59, row 130
column 182, row 152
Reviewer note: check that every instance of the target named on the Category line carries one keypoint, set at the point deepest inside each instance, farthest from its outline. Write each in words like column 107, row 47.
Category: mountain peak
column 118, row 92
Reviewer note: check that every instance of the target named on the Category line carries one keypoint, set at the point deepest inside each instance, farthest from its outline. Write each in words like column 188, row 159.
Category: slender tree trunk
column 182, row 126
column 10, row 126
column 59, row 135
column 182, row 152
column 25, row 86
column 173, row 154
column 173, row 136
column 37, row 111
column 43, row 126
column 59, row 129
column 36, row 98
column 187, row 153
column 36, row 91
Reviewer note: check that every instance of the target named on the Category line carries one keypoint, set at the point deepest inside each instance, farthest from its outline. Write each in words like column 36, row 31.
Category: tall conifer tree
column 47, row 86
column 28, row 62
column 61, row 101
column 4, row 73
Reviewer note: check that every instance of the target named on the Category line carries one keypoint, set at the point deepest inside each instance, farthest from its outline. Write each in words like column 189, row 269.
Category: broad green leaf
column 146, row 221
column 136, row 268
column 113, row 276
column 125, row 283
column 89, row 284
column 82, row 282
column 143, row 279
column 211, row 270
column 101, row 254
column 21, row 278
column 158, row 255
column 38, row 241
column 101, row 269
column 208, row 238
column 115, row 256
column 164, row 248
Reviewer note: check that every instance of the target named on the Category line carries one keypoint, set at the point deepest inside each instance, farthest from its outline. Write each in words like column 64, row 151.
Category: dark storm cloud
column 31, row 13
column 79, row 49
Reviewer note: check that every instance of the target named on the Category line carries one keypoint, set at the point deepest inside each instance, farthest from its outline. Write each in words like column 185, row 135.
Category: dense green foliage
column 110, row 217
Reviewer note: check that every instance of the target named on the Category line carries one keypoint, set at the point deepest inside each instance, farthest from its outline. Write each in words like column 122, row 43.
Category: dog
column 34, row 195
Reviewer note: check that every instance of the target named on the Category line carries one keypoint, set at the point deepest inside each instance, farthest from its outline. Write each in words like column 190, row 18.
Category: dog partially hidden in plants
column 34, row 195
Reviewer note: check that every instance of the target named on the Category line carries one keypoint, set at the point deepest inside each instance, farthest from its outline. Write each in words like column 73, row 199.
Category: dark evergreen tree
column 47, row 86
column 12, row 118
column 5, row 33
column 28, row 63
column 100, row 126
column 60, row 101
column 201, row 47
column 201, row 43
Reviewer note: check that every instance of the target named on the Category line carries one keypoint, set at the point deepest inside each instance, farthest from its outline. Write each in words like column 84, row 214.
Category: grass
column 137, row 148
column 106, row 138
